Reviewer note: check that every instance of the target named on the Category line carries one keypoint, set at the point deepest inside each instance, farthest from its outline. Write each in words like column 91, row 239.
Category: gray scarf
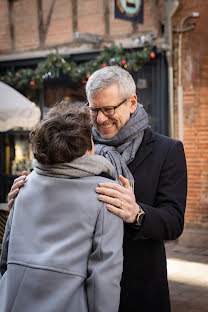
column 122, row 148
column 87, row 165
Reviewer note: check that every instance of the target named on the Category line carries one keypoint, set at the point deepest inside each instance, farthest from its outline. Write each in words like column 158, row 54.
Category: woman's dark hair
column 63, row 135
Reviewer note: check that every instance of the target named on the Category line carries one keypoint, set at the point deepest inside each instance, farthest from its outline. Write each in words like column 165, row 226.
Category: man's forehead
column 104, row 102
column 107, row 96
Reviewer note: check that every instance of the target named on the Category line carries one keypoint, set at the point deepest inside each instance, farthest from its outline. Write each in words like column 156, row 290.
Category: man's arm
column 163, row 221
column 18, row 183
column 105, row 264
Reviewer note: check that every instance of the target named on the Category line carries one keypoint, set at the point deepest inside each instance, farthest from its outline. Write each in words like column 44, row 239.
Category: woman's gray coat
column 65, row 249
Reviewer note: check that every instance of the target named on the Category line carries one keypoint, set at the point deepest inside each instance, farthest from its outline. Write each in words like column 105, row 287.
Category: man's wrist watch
column 139, row 217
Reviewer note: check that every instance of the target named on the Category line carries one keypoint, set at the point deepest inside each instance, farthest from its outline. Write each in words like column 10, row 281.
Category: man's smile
column 107, row 125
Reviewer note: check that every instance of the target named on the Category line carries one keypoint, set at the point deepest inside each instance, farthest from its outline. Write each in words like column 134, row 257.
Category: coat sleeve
column 105, row 264
column 5, row 243
column 165, row 220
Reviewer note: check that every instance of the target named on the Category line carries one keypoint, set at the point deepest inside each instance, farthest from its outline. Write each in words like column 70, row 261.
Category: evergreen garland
column 56, row 65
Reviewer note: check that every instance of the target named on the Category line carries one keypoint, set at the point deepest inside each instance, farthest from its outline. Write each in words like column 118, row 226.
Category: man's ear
column 133, row 103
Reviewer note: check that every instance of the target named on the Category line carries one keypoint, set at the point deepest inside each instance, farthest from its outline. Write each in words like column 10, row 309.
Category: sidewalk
column 188, row 277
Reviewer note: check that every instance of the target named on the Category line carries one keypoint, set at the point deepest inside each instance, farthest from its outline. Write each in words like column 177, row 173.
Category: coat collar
column 144, row 150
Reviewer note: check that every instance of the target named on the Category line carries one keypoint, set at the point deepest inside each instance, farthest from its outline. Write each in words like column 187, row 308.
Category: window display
column 18, row 153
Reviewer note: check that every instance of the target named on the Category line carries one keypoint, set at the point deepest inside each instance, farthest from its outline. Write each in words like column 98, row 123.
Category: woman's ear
column 92, row 151
column 93, row 146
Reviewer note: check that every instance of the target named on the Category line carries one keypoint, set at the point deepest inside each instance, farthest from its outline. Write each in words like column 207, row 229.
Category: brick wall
column 195, row 105
column 19, row 22
column 26, row 25
column 91, row 17
column 60, row 29
column 5, row 40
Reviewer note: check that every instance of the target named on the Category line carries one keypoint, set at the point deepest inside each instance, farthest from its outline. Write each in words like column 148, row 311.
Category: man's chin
column 107, row 136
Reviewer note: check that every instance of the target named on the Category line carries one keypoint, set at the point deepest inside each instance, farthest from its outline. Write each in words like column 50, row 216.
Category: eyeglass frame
column 97, row 109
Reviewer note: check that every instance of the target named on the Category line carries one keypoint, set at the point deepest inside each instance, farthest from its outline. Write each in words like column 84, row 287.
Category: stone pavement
column 188, row 277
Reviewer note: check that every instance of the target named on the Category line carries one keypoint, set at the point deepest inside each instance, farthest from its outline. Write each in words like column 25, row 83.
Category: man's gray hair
column 110, row 75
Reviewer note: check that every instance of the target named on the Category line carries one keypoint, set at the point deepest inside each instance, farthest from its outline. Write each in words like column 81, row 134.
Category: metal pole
column 180, row 90
column 180, row 86
column 170, row 8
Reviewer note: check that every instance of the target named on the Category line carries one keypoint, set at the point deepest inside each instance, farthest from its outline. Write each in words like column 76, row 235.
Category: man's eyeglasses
column 107, row 111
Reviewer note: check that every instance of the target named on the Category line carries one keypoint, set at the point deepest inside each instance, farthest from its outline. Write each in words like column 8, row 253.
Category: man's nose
column 101, row 117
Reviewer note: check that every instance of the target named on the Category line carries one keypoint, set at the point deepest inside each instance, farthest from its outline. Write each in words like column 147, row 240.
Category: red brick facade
column 195, row 105
column 20, row 32
column 19, row 22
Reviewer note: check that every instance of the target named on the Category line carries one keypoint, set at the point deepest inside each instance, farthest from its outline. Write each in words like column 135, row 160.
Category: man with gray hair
column 151, row 196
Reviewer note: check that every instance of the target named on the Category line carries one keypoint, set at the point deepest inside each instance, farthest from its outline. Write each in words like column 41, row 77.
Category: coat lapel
column 144, row 150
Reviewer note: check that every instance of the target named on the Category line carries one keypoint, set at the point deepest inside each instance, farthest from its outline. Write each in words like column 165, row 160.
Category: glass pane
column 18, row 154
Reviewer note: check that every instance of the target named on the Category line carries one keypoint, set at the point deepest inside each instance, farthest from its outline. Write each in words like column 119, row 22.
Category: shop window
column 16, row 156
column 18, row 153
column 53, row 95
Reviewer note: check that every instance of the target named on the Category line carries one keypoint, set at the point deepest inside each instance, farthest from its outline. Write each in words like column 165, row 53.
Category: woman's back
column 65, row 248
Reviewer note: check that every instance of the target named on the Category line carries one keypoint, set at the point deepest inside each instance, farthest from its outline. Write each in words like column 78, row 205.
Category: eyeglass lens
column 107, row 111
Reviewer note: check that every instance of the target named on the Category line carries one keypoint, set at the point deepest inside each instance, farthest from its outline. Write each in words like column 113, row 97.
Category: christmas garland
column 56, row 65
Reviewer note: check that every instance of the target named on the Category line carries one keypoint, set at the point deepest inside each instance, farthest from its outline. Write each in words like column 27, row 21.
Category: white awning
column 16, row 110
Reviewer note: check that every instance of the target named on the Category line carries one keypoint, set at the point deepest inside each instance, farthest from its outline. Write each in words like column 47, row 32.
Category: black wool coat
column 159, row 170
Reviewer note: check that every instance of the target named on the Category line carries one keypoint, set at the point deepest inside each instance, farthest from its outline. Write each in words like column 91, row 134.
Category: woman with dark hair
column 62, row 249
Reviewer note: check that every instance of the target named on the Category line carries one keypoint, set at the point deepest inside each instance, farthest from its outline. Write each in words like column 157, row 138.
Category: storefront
column 15, row 149
column 17, row 117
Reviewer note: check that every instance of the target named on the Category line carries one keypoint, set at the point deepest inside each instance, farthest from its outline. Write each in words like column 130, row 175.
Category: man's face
column 109, row 126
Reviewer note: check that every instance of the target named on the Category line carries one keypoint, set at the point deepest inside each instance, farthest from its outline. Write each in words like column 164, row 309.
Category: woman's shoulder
column 103, row 177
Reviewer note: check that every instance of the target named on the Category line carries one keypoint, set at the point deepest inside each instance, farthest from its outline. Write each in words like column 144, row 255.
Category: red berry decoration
column 32, row 83
column 104, row 65
column 83, row 81
column 88, row 76
column 152, row 55
column 123, row 62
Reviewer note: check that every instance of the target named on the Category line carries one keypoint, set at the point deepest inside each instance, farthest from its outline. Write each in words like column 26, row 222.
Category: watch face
column 141, row 216
column 130, row 7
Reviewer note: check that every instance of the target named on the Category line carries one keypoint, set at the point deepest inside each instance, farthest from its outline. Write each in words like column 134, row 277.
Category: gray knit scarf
column 122, row 148
column 87, row 165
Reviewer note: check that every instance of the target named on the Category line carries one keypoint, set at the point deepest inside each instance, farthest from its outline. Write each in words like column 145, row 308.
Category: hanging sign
column 130, row 10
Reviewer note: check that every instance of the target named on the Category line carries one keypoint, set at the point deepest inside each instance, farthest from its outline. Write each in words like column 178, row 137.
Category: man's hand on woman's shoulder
column 17, row 184
column 120, row 199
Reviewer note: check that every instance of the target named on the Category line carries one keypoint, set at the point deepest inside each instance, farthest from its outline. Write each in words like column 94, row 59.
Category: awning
column 16, row 110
